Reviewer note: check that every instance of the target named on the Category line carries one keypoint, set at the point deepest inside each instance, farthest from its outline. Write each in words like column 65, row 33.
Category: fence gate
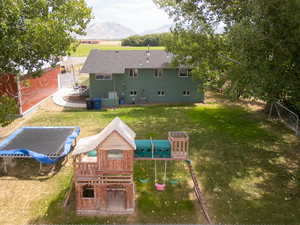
column 288, row 117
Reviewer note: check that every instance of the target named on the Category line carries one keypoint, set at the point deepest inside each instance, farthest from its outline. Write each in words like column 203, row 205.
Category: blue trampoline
column 45, row 144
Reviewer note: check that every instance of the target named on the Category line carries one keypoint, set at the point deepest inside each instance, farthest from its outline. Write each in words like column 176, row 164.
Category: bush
column 8, row 110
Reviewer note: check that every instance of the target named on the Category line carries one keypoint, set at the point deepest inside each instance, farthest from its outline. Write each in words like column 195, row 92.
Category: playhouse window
column 88, row 191
column 161, row 92
column 133, row 92
column 186, row 92
column 133, row 73
column 115, row 154
column 158, row 73
column 103, row 77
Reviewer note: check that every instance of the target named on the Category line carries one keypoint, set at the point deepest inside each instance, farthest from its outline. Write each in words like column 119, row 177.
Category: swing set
column 175, row 148
column 160, row 186
column 117, row 143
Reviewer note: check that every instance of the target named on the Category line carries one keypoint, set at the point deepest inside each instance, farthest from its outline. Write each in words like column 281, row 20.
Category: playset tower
column 104, row 163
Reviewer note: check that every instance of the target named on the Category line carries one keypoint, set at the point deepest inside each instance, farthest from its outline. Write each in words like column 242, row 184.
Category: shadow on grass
column 170, row 206
column 29, row 169
column 57, row 214
column 249, row 170
column 175, row 205
column 249, row 173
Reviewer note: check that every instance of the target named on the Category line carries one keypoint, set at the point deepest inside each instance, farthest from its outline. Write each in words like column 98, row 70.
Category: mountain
column 163, row 29
column 107, row 30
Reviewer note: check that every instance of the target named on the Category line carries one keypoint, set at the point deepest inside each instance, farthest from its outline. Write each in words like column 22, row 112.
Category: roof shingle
column 109, row 62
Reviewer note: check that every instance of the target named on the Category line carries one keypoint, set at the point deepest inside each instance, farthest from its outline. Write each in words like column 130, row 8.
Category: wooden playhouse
column 104, row 163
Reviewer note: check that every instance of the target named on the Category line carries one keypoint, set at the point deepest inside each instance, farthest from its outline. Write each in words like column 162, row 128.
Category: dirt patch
column 50, row 106
column 252, row 104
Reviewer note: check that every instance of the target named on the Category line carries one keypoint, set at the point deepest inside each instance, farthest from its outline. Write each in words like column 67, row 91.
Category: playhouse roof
column 109, row 62
column 90, row 143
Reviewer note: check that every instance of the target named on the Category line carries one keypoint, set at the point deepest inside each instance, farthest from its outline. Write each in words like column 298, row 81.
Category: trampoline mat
column 41, row 140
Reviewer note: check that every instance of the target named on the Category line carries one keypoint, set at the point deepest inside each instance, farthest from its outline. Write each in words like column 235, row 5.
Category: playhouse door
column 116, row 200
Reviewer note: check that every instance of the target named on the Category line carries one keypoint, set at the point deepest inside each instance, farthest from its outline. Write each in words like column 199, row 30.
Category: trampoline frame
column 51, row 158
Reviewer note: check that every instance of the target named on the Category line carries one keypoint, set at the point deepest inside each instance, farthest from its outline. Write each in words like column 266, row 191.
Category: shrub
column 8, row 110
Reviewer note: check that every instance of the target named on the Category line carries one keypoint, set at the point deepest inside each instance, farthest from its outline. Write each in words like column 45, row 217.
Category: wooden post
column 41, row 167
column 152, row 146
column 5, row 165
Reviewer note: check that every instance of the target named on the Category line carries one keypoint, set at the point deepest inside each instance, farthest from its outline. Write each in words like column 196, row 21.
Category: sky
column 139, row 15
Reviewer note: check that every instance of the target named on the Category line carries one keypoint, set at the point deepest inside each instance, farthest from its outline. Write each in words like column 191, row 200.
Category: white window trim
column 187, row 73
column 104, row 75
column 116, row 158
column 135, row 72
column 133, row 90
column 186, row 90
column 160, row 91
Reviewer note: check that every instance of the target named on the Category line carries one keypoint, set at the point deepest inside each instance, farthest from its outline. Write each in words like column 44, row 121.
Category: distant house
column 90, row 41
column 29, row 91
column 138, row 76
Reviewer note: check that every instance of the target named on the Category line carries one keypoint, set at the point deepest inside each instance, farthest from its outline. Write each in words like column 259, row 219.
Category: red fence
column 32, row 90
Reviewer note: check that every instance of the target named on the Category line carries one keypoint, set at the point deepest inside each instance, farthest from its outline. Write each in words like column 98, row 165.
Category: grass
column 84, row 49
column 248, row 168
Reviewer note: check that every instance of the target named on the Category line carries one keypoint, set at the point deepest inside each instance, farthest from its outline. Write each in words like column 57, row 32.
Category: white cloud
column 139, row 15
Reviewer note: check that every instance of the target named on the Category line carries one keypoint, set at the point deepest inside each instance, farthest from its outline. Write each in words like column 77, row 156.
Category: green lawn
column 248, row 167
column 84, row 49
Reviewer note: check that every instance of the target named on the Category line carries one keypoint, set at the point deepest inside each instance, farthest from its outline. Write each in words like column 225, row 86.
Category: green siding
column 148, row 86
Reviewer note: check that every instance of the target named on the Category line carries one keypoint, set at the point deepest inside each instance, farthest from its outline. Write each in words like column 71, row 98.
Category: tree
column 145, row 40
column 35, row 32
column 257, row 56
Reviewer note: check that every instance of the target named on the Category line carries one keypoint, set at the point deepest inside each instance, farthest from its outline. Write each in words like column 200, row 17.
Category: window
column 158, row 73
column 184, row 72
column 103, row 77
column 88, row 191
column 161, row 92
column 186, row 92
column 115, row 154
column 133, row 92
column 133, row 73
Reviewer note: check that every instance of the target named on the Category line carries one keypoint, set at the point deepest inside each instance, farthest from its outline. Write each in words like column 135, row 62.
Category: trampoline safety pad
column 45, row 144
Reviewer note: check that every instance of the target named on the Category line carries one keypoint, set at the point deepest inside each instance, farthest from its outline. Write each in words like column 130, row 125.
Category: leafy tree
column 34, row 32
column 257, row 56
column 145, row 40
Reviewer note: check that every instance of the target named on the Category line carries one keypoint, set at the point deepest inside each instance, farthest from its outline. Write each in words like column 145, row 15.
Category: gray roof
column 103, row 61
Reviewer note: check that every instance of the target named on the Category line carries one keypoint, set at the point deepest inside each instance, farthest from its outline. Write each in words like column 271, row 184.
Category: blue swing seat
column 144, row 181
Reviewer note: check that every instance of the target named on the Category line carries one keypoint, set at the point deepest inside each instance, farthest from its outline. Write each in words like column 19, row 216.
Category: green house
column 137, row 76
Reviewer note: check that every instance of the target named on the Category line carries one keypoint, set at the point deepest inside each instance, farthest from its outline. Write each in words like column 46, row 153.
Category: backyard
column 248, row 168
